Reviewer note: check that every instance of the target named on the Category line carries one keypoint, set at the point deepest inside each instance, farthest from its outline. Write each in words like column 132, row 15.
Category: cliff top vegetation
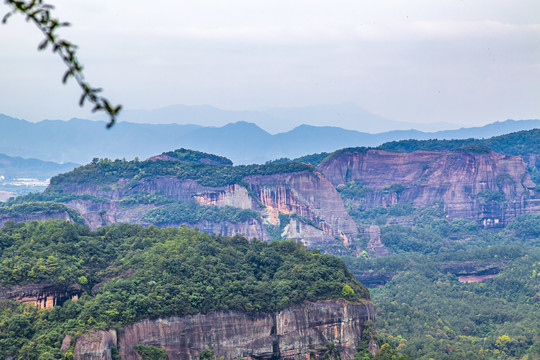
column 105, row 171
column 129, row 273
column 187, row 155
column 518, row 143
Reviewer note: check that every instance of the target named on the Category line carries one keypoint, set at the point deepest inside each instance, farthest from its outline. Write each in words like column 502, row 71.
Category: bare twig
column 39, row 13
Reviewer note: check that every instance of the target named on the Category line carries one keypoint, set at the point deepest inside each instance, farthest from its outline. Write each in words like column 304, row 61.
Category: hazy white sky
column 468, row 62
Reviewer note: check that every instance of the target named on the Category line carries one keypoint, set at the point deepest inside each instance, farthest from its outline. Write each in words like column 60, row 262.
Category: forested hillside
column 518, row 143
column 454, row 291
column 126, row 273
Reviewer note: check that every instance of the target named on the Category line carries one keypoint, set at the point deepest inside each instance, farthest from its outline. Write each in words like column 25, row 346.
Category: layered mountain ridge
column 294, row 200
column 79, row 140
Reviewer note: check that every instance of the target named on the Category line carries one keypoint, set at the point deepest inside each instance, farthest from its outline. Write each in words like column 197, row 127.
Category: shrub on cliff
column 191, row 213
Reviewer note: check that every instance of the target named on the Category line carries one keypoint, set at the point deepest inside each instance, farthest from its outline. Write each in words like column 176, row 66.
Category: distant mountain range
column 17, row 167
column 276, row 120
column 79, row 141
column 19, row 176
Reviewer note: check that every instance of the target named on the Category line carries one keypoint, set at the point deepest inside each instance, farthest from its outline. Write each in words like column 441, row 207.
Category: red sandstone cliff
column 294, row 333
column 459, row 179
column 308, row 194
column 44, row 296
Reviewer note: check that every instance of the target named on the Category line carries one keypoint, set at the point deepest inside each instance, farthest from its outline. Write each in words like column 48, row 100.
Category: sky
column 464, row 62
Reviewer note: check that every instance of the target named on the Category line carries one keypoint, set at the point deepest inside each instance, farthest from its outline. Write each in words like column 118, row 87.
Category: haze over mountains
column 79, row 141
column 276, row 120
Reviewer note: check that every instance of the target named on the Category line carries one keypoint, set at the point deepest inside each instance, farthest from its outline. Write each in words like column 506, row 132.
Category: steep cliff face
column 95, row 345
column 38, row 216
column 374, row 246
column 297, row 332
column 309, row 195
column 97, row 214
column 44, row 296
column 249, row 229
column 489, row 187
column 322, row 218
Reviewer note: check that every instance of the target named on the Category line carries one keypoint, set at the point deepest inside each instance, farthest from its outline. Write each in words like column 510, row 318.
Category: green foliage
column 36, row 208
column 393, row 188
column 30, row 208
column 144, row 198
column 54, row 197
column 488, row 196
column 282, row 160
column 193, row 156
column 33, row 208
column 473, row 149
column 313, row 159
column 353, row 190
column 150, row 352
column 135, row 273
column 444, row 319
column 192, row 212
column 518, row 143
column 207, row 354
column 39, row 13
column 347, row 292
column 526, row 226
column 426, row 311
column 107, row 172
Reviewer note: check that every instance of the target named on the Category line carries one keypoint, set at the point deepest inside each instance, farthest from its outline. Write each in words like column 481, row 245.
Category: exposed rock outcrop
column 37, row 216
column 249, row 229
column 95, row 345
column 322, row 217
column 44, row 296
column 297, row 332
column 374, row 246
column 309, row 195
column 489, row 187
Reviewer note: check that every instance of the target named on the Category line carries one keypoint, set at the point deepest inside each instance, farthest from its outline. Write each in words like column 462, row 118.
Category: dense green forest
column 15, row 210
column 424, row 310
column 128, row 273
column 187, row 155
column 106, row 172
column 518, row 143
column 192, row 212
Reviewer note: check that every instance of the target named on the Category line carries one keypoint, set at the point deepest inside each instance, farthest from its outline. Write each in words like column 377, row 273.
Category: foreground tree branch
column 39, row 13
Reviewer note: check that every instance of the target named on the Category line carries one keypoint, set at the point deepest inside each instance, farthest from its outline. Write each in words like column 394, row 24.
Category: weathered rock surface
column 249, row 229
column 95, row 345
column 293, row 333
column 457, row 178
column 308, row 194
column 37, row 216
column 44, row 296
column 374, row 246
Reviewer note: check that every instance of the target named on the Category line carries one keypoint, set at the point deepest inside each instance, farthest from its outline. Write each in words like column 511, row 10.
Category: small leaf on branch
column 43, row 44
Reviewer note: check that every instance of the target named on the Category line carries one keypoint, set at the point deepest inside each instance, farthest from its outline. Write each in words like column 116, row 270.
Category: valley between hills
column 411, row 250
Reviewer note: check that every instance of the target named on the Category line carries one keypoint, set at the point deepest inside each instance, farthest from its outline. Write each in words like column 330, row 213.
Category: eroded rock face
column 309, row 195
column 466, row 182
column 322, row 220
column 374, row 246
column 44, row 296
column 249, row 229
column 95, row 345
column 37, row 216
column 292, row 333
